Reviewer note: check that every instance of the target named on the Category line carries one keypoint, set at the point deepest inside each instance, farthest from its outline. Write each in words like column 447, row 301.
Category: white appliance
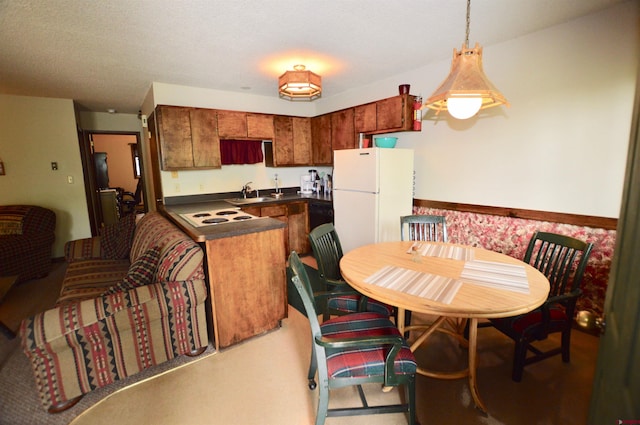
column 372, row 188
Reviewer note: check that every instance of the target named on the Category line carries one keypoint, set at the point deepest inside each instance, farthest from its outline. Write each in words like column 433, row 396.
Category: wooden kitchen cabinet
column 232, row 124
column 296, row 215
column 385, row 116
column 247, row 284
column 343, row 134
column 365, row 118
column 321, row 152
column 291, row 141
column 245, row 125
column 187, row 138
column 260, row 126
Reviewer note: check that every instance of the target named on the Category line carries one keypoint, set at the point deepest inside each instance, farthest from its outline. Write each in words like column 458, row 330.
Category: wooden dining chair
column 422, row 227
column 327, row 251
column 562, row 259
column 352, row 350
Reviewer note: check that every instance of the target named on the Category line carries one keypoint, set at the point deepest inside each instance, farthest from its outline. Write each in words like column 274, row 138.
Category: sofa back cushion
column 180, row 257
column 141, row 272
column 27, row 219
column 116, row 238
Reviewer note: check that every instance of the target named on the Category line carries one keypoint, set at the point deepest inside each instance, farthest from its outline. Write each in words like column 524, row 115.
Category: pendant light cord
column 466, row 40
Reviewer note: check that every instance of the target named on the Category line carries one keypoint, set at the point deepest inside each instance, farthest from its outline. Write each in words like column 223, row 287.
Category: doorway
column 113, row 176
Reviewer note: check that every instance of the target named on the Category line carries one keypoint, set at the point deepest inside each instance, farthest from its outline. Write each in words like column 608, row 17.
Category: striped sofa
column 27, row 233
column 118, row 316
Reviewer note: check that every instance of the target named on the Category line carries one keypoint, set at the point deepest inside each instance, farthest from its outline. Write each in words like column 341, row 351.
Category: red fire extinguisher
column 417, row 113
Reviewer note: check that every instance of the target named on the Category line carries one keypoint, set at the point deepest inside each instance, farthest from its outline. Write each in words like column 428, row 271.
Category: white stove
column 217, row 217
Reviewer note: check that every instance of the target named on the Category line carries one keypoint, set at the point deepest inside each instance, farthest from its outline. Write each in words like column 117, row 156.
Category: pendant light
column 300, row 84
column 467, row 89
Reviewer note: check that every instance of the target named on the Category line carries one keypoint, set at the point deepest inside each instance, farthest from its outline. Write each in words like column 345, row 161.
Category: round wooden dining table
column 458, row 299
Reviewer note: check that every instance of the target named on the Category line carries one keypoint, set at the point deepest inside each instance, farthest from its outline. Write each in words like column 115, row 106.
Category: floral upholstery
column 511, row 236
column 27, row 233
column 99, row 331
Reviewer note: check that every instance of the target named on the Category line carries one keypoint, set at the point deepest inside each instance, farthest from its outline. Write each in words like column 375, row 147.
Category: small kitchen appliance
column 216, row 217
column 306, row 184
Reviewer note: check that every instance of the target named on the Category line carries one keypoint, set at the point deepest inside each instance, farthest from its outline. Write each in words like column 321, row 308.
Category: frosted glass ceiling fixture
column 300, row 84
column 466, row 90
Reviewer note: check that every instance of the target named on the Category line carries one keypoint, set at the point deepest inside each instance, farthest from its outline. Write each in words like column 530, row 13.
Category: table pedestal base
column 458, row 333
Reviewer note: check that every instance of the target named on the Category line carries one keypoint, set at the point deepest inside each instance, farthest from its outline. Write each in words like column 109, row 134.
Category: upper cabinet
column 291, row 142
column 343, row 134
column 385, row 116
column 322, row 153
column 188, row 138
column 244, row 125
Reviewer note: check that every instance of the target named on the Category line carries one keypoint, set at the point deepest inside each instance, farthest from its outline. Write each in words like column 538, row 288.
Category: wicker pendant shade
column 467, row 89
column 467, row 81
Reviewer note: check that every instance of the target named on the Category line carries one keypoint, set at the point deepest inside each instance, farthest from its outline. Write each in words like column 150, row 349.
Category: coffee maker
column 308, row 182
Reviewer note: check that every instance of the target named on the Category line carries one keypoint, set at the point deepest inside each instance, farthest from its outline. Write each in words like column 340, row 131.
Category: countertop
column 174, row 206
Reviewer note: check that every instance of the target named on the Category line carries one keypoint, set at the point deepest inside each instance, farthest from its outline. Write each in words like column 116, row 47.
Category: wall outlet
column 54, row 166
column 70, row 179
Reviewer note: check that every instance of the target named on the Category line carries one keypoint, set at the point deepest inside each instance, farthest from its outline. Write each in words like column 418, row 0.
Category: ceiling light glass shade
column 467, row 87
column 300, row 84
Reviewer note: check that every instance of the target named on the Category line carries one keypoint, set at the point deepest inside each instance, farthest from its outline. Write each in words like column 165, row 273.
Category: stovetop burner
column 217, row 217
column 215, row 220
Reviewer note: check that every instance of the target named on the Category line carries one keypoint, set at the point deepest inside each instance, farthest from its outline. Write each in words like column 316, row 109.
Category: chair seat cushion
column 349, row 304
column 363, row 362
column 530, row 322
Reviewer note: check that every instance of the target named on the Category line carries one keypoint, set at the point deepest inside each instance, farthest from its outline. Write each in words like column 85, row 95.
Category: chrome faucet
column 246, row 189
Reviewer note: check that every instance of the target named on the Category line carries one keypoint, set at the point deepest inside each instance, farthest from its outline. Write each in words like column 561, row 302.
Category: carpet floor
column 263, row 381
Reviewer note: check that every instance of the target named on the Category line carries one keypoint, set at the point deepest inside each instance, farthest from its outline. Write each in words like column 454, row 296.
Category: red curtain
column 241, row 152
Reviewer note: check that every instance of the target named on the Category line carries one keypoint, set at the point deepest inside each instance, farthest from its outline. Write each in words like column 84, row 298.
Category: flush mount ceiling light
column 300, row 84
column 466, row 90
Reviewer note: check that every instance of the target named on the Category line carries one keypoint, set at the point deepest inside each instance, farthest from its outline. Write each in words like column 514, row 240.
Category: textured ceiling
column 106, row 54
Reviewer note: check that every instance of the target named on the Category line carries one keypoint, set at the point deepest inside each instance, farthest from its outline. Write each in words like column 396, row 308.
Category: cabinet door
column 260, row 126
column 283, row 141
column 365, row 118
column 232, row 124
column 343, row 135
column 204, row 138
column 394, row 113
column 298, row 227
column 321, row 140
column 302, row 154
column 174, row 133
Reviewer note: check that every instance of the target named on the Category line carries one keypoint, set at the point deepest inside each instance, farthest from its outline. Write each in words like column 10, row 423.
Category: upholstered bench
column 130, row 299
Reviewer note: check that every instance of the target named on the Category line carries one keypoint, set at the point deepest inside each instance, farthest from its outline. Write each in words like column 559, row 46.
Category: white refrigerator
column 372, row 189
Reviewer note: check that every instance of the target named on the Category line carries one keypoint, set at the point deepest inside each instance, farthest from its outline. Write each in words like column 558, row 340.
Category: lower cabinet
column 296, row 216
column 247, row 283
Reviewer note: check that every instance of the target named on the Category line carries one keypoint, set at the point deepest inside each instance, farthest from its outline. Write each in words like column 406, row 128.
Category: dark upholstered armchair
column 27, row 233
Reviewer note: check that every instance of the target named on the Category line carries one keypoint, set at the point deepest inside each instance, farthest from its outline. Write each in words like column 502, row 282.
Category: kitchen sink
column 245, row 201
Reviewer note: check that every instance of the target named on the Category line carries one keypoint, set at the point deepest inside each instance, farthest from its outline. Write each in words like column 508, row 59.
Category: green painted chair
column 562, row 259
column 352, row 350
column 327, row 251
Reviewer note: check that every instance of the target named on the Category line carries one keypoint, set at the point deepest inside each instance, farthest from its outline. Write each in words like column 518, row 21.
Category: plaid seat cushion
column 349, row 304
column 83, row 249
column 354, row 362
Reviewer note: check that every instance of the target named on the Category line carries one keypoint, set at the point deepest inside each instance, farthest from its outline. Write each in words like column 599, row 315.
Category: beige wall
column 560, row 147
column 33, row 133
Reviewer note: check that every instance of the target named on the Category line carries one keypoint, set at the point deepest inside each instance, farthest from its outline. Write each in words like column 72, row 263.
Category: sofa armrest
column 83, row 249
